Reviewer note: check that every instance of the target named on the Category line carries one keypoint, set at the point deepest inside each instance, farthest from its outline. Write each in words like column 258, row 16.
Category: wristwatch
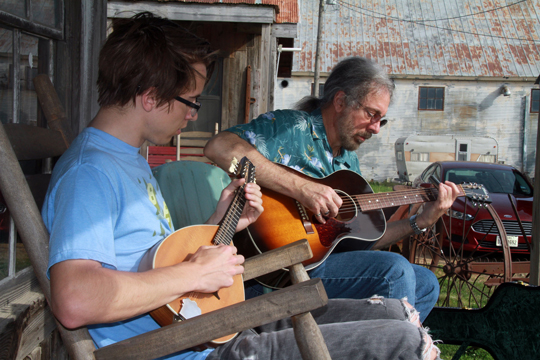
column 414, row 225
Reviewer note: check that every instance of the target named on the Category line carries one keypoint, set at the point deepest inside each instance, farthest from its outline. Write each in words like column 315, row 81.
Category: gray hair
column 357, row 77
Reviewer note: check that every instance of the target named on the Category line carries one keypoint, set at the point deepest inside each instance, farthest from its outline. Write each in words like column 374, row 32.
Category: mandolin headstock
column 243, row 169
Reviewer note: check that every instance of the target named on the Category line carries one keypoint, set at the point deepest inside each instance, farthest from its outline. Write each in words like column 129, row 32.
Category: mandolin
column 360, row 217
column 183, row 243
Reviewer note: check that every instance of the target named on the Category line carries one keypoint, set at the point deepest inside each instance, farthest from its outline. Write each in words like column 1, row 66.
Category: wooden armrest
column 45, row 142
column 276, row 259
column 293, row 300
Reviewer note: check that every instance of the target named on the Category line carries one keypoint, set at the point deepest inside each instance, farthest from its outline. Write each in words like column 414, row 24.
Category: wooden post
column 318, row 50
column 52, row 108
column 35, row 237
column 534, row 277
column 306, row 331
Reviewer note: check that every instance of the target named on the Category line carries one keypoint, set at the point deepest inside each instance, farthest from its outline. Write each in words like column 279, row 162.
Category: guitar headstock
column 477, row 193
column 243, row 169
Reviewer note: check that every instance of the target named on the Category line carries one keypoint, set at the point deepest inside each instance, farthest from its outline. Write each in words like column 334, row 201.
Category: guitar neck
column 397, row 198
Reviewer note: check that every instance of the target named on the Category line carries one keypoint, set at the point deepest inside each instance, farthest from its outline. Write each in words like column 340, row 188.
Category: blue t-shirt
column 104, row 204
column 298, row 140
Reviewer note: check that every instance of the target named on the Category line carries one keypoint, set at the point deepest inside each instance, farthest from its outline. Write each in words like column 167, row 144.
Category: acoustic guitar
column 183, row 243
column 360, row 217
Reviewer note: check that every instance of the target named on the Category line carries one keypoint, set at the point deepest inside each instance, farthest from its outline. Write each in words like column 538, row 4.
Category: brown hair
column 146, row 52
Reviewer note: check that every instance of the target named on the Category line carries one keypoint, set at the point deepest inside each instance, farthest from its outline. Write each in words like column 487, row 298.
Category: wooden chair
column 189, row 146
column 295, row 301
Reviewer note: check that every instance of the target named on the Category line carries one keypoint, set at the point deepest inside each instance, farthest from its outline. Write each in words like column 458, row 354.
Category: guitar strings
column 372, row 201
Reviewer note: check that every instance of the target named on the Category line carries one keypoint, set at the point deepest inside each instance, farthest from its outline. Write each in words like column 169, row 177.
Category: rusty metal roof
column 286, row 10
column 472, row 38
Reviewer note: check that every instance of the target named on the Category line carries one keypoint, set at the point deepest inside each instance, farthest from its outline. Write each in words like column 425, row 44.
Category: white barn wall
column 472, row 108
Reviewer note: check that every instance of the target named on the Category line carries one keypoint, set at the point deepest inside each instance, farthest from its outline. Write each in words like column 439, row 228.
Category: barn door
column 210, row 99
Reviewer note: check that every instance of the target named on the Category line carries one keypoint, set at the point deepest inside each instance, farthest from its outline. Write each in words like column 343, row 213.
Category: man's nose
column 374, row 128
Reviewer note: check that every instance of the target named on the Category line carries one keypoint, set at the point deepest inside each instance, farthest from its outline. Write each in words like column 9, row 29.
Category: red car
column 499, row 181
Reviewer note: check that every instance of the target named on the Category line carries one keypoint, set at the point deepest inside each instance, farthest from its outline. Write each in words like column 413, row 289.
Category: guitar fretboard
column 397, row 198
column 227, row 228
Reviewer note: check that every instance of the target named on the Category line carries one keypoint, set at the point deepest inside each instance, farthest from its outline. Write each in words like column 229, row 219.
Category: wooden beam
column 276, row 259
column 195, row 12
column 293, row 300
column 285, row 30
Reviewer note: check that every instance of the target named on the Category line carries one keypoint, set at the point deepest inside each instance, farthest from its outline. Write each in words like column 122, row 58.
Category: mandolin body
column 179, row 247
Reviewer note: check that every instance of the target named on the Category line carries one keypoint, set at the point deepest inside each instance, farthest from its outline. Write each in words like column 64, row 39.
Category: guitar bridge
column 308, row 227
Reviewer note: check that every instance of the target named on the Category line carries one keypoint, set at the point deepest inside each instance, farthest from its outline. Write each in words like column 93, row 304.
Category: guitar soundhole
column 349, row 208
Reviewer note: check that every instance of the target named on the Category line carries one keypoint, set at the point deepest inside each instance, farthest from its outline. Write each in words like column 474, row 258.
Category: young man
column 318, row 139
column 104, row 211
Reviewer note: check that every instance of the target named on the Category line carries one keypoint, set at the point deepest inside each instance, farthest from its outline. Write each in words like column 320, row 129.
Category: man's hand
column 448, row 192
column 320, row 199
column 252, row 210
column 217, row 267
column 397, row 230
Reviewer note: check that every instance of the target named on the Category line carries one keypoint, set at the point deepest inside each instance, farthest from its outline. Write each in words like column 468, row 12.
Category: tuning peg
column 234, row 165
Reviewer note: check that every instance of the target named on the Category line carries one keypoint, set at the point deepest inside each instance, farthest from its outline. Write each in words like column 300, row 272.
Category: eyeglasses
column 195, row 106
column 374, row 117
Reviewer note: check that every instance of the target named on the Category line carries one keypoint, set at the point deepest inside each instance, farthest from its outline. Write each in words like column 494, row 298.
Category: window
column 431, row 98
column 419, row 156
column 535, row 100
column 285, row 58
column 28, row 30
column 321, row 89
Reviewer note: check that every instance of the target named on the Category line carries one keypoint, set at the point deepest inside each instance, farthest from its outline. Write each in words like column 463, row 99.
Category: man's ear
column 148, row 100
column 339, row 101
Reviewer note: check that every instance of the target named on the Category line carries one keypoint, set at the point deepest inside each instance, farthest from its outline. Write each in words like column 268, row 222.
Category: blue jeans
column 361, row 274
column 352, row 330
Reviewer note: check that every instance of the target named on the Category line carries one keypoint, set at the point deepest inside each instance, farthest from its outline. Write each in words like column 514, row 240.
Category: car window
column 521, row 187
column 495, row 181
column 427, row 173
column 437, row 173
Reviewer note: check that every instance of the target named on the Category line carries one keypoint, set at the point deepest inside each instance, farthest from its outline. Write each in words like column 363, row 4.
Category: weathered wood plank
column 276, row 259
column 25, row 319
column 36, row 325
column 306, row 331
column 293, row 300
column 52, row 108
column 44, row 142
column 534, row 276
column 195, row 12
column 35, row 236
column 285, row 30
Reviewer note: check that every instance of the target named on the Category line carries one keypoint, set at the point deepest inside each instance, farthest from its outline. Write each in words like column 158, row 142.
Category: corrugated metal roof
column 426, row 37
column 287, row 10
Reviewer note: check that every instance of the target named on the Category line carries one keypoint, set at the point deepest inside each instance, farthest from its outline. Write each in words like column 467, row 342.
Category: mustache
column 365, row 134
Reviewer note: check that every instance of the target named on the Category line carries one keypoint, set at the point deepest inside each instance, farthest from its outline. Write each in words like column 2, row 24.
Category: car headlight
column 459, row 215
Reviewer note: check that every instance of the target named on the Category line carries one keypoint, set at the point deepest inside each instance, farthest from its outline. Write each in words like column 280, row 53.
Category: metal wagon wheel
column 467, row 278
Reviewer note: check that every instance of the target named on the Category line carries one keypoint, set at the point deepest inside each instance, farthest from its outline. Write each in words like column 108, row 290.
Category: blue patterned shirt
column 298, row 140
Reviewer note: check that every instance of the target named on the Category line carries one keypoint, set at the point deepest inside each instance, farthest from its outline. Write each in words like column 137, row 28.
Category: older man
column 318, row 138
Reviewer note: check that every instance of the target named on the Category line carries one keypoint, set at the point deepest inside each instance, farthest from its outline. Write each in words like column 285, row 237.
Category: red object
column 500, row 181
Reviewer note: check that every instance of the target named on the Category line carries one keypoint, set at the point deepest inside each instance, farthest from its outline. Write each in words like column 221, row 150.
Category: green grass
column 447, row 351
column 22, row 259
column 384, row 186
column 472, row 353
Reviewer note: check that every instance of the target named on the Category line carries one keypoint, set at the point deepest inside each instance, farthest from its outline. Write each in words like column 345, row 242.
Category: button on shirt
column 298, row 140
